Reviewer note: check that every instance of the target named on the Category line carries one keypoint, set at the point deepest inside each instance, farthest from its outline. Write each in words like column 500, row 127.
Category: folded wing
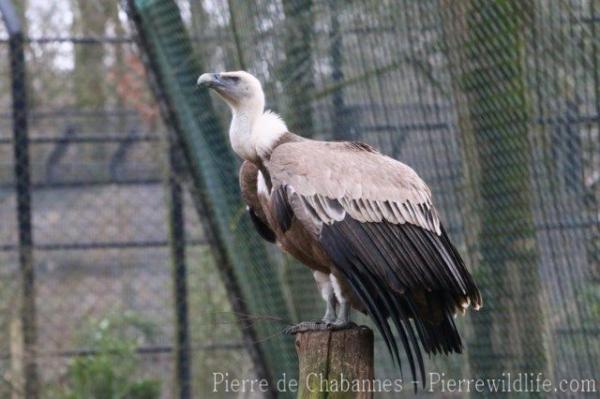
column 375, row 219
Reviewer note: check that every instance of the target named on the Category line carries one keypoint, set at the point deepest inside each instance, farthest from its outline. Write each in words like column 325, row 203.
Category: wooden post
column 335, row 364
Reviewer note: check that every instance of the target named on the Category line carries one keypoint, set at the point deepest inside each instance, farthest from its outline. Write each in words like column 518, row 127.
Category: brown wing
column 375, row 218
column 248, row 184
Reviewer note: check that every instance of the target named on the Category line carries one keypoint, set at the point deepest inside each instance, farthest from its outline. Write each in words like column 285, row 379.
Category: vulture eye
column 234, row 79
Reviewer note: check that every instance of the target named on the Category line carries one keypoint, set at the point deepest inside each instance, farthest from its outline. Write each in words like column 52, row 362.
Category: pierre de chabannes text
column 438, row 382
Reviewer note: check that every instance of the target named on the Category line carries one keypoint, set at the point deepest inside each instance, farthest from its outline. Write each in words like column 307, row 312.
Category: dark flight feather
column 403, row 272
column 283, row 211
column 263, row 230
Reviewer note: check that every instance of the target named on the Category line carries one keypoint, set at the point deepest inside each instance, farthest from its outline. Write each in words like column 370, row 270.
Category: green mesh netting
column 214, row 170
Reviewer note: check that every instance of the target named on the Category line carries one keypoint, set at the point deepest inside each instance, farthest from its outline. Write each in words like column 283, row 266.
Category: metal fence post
column 23, row 190
column 177, row 242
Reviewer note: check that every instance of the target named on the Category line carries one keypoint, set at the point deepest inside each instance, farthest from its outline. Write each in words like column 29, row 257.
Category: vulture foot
column 329, row 318
column 318, row 325
column 305, row 326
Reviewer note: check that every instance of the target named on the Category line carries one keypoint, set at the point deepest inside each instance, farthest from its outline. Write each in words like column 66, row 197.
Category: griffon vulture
column 363, row 222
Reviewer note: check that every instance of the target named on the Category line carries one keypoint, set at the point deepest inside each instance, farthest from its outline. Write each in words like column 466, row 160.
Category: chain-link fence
column 97, row 313
column 127, row 263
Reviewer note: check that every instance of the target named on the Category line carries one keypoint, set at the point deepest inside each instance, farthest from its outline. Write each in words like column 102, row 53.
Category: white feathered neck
column 253, row 134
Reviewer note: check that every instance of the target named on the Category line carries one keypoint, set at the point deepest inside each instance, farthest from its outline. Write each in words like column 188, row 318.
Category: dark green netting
column 214, row 172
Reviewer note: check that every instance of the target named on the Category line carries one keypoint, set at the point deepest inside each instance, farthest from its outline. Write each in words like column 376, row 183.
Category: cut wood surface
column 335, row 364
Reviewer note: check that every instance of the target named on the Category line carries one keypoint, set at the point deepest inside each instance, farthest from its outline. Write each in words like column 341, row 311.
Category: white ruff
column 267, row 129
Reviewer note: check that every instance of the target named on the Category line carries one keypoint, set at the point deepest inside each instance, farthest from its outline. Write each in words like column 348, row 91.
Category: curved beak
column 210, row 80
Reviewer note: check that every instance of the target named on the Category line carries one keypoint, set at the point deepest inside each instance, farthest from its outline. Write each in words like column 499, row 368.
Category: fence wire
column 138, row 232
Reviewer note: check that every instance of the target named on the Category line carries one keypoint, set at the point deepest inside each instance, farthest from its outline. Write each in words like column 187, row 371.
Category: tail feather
column 434, row 313
column 442, row 338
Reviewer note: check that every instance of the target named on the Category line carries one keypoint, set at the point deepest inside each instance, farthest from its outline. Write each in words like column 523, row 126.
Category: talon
column 304, row 326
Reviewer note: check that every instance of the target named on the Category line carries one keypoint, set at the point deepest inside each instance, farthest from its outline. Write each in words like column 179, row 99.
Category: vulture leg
column 329, row 316
column 328, row 294
column 332, row 294
column 329, row 319
column 343, row 316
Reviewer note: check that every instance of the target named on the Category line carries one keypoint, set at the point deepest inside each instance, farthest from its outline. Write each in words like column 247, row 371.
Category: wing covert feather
column 371, row 187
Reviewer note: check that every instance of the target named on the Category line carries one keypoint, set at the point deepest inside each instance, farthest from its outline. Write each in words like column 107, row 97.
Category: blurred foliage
column 213, row 324
column 110, row 371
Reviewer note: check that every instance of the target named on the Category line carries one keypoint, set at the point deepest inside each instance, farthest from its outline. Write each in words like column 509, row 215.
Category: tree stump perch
column 335, row 364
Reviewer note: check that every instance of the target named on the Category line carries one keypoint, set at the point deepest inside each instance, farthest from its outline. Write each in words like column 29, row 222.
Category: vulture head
column 239, row 89
column 253, row 131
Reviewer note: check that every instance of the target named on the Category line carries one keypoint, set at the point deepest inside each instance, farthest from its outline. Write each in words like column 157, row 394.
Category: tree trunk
column 17, row 380
column 296, row 73
column 90, row 20
column 335, row 364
